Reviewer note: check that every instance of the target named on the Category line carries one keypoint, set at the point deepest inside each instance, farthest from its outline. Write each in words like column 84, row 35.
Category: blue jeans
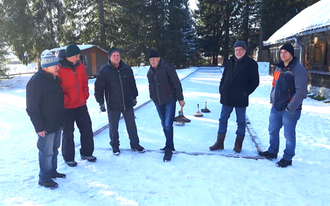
column 289, row 120
column 166, row 114
column 240, row 119
column 48, row 151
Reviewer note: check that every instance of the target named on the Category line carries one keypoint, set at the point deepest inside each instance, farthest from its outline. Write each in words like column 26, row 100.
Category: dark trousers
column 81, row 116
column 113, row 117
column 166, row 114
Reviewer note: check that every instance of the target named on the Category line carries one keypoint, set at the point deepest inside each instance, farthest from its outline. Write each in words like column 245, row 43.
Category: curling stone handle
column 181, row 110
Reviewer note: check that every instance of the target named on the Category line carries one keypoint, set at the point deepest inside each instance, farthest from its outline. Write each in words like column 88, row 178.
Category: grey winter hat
column 240, row 44
column 48, row 59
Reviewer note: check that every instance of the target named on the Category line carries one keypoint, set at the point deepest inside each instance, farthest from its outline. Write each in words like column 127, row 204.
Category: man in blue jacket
column 239, row 79
column 288, row 92
column 45, row 106
column 164, row 90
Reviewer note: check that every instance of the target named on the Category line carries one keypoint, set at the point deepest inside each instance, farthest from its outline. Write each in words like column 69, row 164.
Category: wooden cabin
column 309, row 33
column 93, row 57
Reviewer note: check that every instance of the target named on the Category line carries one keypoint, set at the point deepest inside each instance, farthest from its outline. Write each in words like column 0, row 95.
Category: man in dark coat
column 45, row 106
column 164, row 90
column 116, row 82
column 240, row 78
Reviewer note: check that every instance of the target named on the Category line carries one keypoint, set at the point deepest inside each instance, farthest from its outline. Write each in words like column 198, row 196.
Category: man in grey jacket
column 164, row 89
column 288, row 92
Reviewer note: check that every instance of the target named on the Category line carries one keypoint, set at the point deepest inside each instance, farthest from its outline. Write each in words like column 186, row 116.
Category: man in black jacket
column 164, row 89
column 45, row 106
column 116, row 82
column 240, row 78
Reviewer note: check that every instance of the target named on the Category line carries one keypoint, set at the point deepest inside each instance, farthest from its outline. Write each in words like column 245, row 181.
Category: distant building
column 93, row 57
column 309, row 32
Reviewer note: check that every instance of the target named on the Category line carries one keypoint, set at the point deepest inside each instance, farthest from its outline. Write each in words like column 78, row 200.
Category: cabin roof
column 81, row 47
column 313, row 19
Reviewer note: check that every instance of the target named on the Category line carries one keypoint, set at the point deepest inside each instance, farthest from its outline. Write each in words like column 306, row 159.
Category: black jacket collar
column 47, row 75
column 292, row 63
column 121, row 65
column 67, row 63
column 160, row 64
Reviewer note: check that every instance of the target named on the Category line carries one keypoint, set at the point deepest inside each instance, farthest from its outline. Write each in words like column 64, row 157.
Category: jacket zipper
column 157, row 87
column 289, row 94
column 121, row 87
column 75, row 76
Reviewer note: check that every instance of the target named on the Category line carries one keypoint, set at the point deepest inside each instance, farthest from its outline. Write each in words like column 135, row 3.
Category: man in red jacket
column 74, row 83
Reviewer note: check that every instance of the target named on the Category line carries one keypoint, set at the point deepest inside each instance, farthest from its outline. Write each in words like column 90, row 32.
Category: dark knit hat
column 112, row 50
column 240, row 44
column 72, row 50
column 288, row 47
column 48, row 59
column 153, row 53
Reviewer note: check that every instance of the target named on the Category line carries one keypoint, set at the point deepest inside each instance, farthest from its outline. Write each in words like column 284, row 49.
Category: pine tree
column 17, row 26
column 31, row 26
column 46, row 18
column 214, row 27
column 247, row 23
column 3, row 60
column 3, row 51
column 177, row 39
column 81, row 22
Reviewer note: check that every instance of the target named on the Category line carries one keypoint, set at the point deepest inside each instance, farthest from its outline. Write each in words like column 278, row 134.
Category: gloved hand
column 102, row 108
column 134, row 102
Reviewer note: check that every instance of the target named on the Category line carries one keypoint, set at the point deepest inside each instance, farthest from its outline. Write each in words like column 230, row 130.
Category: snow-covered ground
column 189, row 179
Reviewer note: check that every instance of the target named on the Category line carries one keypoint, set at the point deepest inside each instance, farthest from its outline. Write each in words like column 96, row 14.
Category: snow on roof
column 81, row 47
column 313, row 18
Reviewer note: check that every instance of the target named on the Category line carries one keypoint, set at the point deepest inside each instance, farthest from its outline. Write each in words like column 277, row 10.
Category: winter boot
column 49, row 184
column 89, row 158
column 219, row 143
column 116, row 151
column 138, row 148
column 58, row 175
column 284, row 163
column 268, row 155
column 71, row 163
column 238, row 144
column 168, row 156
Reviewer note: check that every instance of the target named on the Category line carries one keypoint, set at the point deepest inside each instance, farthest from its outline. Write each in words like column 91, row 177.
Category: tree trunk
column 260, row 44
column 245, row 25
column 101, row 10
column 226, row 38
